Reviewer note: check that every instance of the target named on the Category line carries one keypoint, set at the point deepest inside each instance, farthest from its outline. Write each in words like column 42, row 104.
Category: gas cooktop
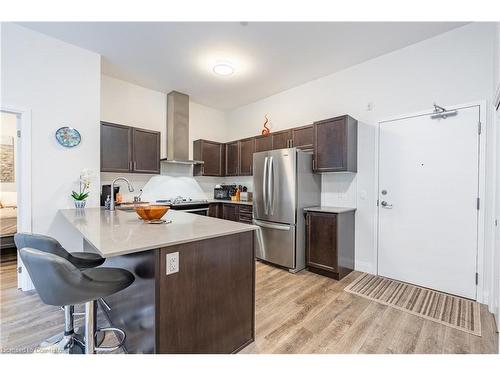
column 181, row 201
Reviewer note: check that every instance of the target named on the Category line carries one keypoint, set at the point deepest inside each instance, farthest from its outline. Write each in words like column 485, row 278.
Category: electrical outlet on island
column 172, row 263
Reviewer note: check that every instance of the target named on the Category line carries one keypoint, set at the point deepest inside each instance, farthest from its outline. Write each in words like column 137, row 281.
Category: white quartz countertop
column 119, row 232
column 247, row 203
column 328, row 209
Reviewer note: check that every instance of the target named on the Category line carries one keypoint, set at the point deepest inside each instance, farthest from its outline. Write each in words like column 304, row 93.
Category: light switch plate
column 172, row 263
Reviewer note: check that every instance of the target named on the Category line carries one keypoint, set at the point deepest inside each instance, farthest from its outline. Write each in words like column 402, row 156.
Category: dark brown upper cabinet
column 247, row 148
column 232, row 158
column 335, row 145
column 129, row 150
column 302, row 137
column 145, row 151
column 212, row 153
column 333, row 141
column 282, row 139
column 116, row 148
column 263, row 143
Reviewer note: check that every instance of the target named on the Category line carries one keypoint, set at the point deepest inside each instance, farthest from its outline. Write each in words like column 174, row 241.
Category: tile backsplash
column 206, row 183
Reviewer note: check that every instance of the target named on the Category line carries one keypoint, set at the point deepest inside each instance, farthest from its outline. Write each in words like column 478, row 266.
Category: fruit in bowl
column 151, row 212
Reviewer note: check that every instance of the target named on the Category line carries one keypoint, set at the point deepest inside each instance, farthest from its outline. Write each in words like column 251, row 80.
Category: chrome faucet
column 130, row 189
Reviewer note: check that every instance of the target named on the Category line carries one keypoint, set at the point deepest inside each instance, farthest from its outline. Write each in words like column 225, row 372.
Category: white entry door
column 428, row 208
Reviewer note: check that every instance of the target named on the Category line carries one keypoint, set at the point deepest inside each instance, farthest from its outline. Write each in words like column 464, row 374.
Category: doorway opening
column 8, row 188
column 15, row 186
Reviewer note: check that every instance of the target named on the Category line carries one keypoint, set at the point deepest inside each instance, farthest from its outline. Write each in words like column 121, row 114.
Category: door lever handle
column 386, row 205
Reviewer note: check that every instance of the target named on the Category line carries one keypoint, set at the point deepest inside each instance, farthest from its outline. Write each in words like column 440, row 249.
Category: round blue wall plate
column 68, row 137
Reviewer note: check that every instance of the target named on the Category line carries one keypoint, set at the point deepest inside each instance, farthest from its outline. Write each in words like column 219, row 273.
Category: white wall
column 60, row 85
column 129, row 104
column 452, row 68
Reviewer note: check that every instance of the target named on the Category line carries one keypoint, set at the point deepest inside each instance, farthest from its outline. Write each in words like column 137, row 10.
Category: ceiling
column 268, row 57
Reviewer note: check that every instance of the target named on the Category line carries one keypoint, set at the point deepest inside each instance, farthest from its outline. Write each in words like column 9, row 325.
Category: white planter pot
column 80, row 204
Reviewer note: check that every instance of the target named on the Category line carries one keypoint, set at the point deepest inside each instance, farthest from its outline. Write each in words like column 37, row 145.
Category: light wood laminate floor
column 308, row 313
column 295, row 313
column 25, row 321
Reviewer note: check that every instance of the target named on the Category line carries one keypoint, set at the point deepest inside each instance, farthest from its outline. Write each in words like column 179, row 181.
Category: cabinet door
column 212, row 153
column 247, row 148
column 146, row 151
column 116, row 148
column 321, row 244
column 263, row 143
column 215, row 210
column 232, row 158
column 302, row 137
column 281, row 139
column 230, row 212
column 335, row 145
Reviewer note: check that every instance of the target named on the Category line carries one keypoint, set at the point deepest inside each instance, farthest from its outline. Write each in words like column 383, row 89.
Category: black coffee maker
column 105, row 191
column 224, row 192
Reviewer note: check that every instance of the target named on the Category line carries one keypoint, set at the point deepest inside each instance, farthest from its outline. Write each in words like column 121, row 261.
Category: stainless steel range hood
column 178, row 130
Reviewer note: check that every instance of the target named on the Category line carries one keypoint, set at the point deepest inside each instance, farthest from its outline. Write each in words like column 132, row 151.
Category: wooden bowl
column 151, row 212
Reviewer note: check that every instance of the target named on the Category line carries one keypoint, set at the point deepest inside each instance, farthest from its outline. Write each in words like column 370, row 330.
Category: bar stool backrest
column 42, row 243
column 57, row 281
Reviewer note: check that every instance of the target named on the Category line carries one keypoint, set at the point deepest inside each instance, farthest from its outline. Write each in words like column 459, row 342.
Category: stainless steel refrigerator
column 283, row 184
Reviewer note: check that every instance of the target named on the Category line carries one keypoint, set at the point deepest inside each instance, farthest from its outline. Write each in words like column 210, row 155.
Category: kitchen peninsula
column 203, row 302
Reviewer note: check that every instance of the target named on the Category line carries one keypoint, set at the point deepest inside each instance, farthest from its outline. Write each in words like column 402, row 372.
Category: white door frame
column 23, row 180
column 480, row 295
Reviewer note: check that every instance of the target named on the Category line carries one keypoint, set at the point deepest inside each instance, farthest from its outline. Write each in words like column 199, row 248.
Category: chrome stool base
column 60, row 344
column 69, row 344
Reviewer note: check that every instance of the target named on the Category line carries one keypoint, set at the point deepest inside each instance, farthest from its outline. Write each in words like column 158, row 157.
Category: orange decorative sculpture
column 266, row 130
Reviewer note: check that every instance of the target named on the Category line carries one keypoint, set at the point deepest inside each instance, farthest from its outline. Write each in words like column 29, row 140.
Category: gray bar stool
column 69, row 341
column 59, row 283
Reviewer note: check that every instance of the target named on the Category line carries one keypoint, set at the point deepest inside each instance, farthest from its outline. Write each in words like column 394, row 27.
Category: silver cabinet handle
column 386, row 205
column 271, row 226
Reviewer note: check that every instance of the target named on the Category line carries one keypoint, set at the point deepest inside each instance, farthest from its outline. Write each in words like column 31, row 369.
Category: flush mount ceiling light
column 223, row 69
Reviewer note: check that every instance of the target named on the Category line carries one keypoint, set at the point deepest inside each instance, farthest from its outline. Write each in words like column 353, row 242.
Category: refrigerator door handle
column 271, row 226
column 264, row 186
column 270, row 185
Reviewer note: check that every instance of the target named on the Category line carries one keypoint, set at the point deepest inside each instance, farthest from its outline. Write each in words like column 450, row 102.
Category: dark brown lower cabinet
column 230, row 212
column 330, row 243
column 208, row 306
column 215, row 210
column 245, row 214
